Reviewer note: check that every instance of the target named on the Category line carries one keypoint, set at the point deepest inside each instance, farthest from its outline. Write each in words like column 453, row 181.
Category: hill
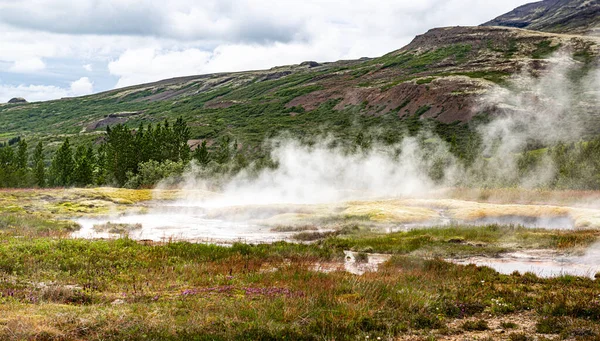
column 438, row 77
column 559, row 16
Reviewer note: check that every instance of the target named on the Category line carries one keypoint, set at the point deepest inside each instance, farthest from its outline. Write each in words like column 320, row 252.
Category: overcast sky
column 57, row 48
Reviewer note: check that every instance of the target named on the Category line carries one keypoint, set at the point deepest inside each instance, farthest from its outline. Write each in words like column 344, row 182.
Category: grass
column 544, row 49
column 55, row 288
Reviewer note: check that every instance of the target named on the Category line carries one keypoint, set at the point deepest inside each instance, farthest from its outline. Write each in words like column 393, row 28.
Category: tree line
column 124, row 157
column 142, row 157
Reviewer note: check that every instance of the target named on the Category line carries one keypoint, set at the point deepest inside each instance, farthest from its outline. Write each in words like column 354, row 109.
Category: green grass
column 52, row 287
column 419, row 62
column 544, row 50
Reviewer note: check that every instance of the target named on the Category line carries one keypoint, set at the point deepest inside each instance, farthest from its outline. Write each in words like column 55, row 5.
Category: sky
column 51, row 49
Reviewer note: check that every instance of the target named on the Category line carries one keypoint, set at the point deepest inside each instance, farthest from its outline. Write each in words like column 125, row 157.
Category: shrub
column 479, row 325
column 151, row 172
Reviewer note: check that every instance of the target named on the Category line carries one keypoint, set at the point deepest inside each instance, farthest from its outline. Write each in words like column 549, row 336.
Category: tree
column 120, row 153
column 39, row 168
column 22, row 171
column 63, row 165
column 202, row 155
column 225, row 151
column 181, row 134
column 100, row 171
column 83, row 172
column 7, row 167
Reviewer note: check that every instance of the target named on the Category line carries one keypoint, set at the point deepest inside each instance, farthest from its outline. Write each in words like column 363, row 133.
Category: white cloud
column 87, row 67
column 35, row 93
column 82, row 86
column 28, row 66
column 31, row 93
column 147, row 40
column 147, row 65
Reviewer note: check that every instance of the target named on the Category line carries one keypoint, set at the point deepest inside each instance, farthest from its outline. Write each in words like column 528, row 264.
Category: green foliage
column 479, row 325
column 121, row 153
column 151, row 172
column 419, row 62
column 291, row 93
column 425, row 80
column 423, row 109
column 202, row 155
column 61, row 170
column 83, row 170
column 544, row 49
column 39, row 168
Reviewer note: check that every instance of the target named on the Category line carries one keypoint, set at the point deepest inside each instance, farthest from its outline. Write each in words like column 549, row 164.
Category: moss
column 423, row 109
column 425, row 80
column 544, row 49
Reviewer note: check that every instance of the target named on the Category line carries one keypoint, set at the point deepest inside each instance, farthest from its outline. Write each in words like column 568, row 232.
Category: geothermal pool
column 177, row 226
column 177, row 221
column 541, row 264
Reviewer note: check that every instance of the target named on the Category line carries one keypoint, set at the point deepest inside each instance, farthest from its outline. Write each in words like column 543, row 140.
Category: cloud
column 82, row 86
column 133, row 37
column 28, row 65
column 88, row 67
column 177, row 19
column 32, row 93
column 35, row 93
column 147, row 65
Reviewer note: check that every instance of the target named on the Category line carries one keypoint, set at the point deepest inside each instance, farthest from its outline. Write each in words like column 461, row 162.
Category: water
column 553, row 223
column 541, row 263
column 351, row 265
column 176, row 225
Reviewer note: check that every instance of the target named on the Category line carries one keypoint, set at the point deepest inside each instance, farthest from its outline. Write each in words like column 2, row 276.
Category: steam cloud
column 538, row 107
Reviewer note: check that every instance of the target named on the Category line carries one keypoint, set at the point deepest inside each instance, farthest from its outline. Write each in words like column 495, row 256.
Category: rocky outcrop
column 17, row 100
column 556, row 16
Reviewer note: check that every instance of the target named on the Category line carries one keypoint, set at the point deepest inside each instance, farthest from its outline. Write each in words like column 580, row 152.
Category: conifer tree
column 120, row 153
column 63, row 165
column 7, row 166
column 39, row 168
column 22, row 171
column 84, row 163
column 202, row 155
column 181, row 134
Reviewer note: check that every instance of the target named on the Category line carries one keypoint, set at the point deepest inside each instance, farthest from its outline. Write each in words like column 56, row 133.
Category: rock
column 118, row 301
column 310, row 64
column 17, row 100
column 274, row 75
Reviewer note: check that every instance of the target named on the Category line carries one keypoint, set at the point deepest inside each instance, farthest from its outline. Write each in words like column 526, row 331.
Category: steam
column 321, row 174
column 537, row 108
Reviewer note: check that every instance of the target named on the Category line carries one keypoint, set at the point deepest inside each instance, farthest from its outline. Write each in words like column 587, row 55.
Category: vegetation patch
column 544, row 49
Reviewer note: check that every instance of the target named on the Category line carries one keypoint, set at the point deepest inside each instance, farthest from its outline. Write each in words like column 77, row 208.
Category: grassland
column 56, row 288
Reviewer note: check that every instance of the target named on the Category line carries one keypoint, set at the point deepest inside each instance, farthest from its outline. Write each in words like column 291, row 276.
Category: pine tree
column 181, row 134
column 22, row 171
column 84, row 163
column 100, row 171
column 224, row 153
column 7, row 166
column 120, row 154
column 63, row 165
column 202, row 155
column 39, row 168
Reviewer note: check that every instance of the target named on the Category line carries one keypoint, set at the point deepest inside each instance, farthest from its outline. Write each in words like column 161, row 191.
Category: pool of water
column 188, row 226
column 541, row 263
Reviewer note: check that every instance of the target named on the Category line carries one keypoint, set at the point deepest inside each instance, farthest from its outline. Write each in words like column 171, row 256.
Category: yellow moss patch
column 390, row 211
column 473, row 211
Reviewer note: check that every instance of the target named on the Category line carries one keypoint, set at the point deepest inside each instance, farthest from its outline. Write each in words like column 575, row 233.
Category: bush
column 151, row 172
column 479, row 325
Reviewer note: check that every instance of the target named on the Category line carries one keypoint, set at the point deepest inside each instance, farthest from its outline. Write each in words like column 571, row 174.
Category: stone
column 17, row 100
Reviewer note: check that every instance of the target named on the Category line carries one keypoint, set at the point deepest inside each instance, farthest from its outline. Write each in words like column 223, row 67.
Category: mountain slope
column 558, row 16
column 438, row 77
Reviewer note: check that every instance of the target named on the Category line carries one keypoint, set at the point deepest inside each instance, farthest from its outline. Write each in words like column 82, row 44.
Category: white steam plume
column 537, row 108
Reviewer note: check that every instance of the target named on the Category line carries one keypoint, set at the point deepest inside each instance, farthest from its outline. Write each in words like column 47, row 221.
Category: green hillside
column 437, row 78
